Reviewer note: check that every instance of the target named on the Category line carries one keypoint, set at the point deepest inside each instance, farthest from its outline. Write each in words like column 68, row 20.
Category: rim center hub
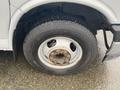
column 60, row 57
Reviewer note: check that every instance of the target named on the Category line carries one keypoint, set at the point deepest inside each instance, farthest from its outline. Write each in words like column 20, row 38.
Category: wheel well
column 94, row 19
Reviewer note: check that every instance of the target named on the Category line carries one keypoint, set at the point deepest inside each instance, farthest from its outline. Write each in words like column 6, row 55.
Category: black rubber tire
column 60, row 28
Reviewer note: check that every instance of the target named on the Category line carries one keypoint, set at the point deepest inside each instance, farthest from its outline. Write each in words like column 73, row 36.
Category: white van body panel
column 4, row 24
column 15, row 4
column 4, row 19
column 114, row 5
column 109, row 8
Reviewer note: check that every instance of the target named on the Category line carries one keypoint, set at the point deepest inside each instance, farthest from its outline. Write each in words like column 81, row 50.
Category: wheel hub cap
column 60, row 57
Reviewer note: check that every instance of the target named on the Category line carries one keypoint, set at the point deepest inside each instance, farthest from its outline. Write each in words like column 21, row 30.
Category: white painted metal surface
column 4, row 23
column 114, row 5
column 114, row 51
column 4, row 19
column 15, row 4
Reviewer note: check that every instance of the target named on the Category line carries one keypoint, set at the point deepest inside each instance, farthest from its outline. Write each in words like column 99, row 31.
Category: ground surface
column 19, row 75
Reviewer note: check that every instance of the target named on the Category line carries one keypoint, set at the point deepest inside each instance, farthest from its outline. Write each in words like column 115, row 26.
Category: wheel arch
column 94, row 4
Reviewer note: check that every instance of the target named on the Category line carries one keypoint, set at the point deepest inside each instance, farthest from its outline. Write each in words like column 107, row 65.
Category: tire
column 60, row 28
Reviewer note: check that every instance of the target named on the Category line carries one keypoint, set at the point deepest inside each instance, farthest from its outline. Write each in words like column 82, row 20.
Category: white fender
column 96, row 4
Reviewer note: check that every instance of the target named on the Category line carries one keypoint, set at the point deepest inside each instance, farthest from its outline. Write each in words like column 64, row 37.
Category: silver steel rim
column 60, row 52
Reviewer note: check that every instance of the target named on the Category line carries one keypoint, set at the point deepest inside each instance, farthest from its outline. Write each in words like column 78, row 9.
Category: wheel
column 60, row 47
